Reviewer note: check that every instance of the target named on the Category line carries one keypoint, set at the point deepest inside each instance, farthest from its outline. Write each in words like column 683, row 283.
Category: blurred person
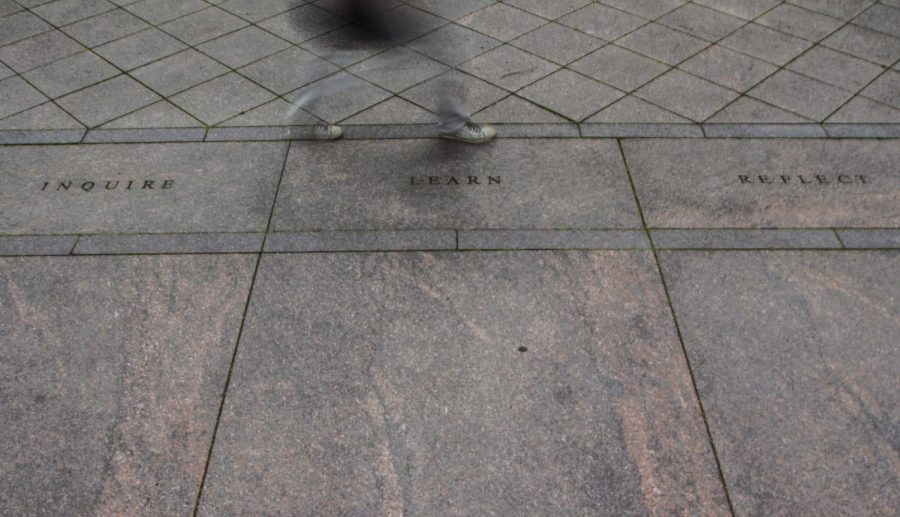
column 454, row 122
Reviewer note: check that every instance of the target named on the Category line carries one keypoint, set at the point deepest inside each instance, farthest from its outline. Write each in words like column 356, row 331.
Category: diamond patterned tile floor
column 568, row 58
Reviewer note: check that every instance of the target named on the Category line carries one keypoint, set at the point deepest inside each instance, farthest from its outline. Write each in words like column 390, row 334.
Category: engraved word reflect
column 804, row 179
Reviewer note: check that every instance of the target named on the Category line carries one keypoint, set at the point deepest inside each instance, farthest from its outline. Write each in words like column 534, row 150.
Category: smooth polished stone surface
column 796, row 360
column 782, row 183
column 226, row 187
column 427, row 184
column 111, row 372
column 461, row 384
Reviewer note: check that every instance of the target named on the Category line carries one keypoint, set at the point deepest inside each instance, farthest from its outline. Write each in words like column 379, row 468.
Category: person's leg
column 454, row 122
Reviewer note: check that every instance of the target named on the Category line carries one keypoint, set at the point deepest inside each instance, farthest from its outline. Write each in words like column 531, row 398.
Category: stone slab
column 461, row 384
column 796, row 360
column 641, row 130
column 193, row 134
column 764, row 131
column 361, row 241
column 111, row 370
column 225, row 187
column 426, row 184
column 783, row 183
column 37, row 245
column 732, row 239
column 41, row 136
column 863, row 130
column 873, row 238
column 552, row 239
column 172, row 243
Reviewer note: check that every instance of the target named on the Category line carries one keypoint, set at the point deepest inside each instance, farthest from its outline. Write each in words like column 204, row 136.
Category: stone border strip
column 170, row 243
column 370, row 132
column 552, row 239
column 450, row 240
column 37, row 244
column 401, row 240
column 874, row 238
column 745, row 239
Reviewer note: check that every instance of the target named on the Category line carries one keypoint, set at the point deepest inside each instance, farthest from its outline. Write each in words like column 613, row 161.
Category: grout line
column 259, row 256
column 687, row 359
column 838, row 236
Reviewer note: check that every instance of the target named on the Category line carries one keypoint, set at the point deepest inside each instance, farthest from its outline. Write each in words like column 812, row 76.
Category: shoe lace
column 474, row 128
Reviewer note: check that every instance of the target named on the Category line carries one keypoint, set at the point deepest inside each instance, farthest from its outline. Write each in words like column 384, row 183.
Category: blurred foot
column 471, row 133
column 327, row 132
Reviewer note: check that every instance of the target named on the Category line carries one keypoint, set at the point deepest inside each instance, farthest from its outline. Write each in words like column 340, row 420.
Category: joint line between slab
column 687, row 359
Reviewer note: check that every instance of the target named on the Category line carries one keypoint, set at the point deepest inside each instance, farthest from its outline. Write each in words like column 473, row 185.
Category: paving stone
column 204, row 25
column 687, row 95
column 221, row 98
column 5, row 72
column 288, row 70
column 633, row 110
column 44, row 116
column 105, row 27
column 209, row 189
column 105, row 101
column 746, row 9
column 450, row 10
column 101, row 415
column 549, row 9
column 799, row 22
column 524, row 361
column 257, row 10
column 602, row 21
column 739, row 183
column 347, row 45
column 9, row 7
column 173, row 243
column 734, row 70
column 836, row 68
column 70, row 74
column 321, row 193
column 509, row 67
column 572, row 95
column 865, row 43
column 19, row 26
column 398, row 69
column 64, row 12
column 394, row 111
column 767, row 44
column 502, row 22
column 881, row 18
column 467, row 92
column 16, row 95
column 765, row 130
column 843, row 9
column 557, row 43
column 799, row 418
column 616, row 66
column 702, row 22
column 302, row 23
column 410, row 23
column 745, row 239
column 749, row 110
column 650, row 9
column 799, row 94
column 517, row 110
column 275, row 113
column 41, row 136
column 862, row 110
column 552, row 239
column 161, row 11
column 862, row 130
column 244, row 46
column 144, row 135
column 337, row 97
column 38, row 51
column 139, row 49
column 887, row 238
column 162, row 114
column 36, row 245
column 885, row 89
column 452, row 44
column 553, row 130
column 662, row 43
column 179, row 72
column 361, row 241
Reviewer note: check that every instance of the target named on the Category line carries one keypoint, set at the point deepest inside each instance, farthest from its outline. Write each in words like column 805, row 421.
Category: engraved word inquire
column 107, row 185
column 420, row 181
column 805, row 179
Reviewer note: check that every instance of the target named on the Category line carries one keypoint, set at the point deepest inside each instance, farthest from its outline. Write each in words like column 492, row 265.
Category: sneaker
column 327, row 132
column 471, row 133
